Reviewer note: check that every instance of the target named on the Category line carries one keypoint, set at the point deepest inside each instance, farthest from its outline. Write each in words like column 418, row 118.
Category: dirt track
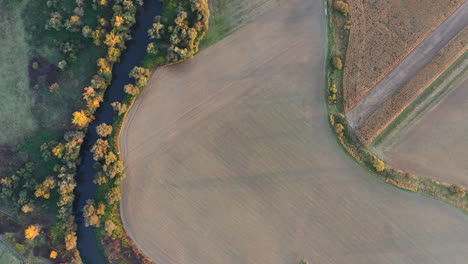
column 435, row 147
column 412, row 64
column 231, row 160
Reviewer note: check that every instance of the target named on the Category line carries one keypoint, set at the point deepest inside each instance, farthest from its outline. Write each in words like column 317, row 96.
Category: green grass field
column 8, row 255
column 31, row 114
column 229, row 15
column 16, row 102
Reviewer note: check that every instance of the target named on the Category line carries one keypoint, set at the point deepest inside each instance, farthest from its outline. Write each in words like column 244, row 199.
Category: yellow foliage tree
column 32, row 232
column 112, row 39
column 27, row 208
column 80, row 119
column 70, row 241
column 53, row 254
column 378, row 164
column 58, row 150
column 118, row 21
column 89, row 92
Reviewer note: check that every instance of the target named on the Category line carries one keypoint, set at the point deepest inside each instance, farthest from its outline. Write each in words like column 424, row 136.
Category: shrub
column 62, row 64
column 35, row 65
column 337, row 63
column 342, row 7
column 54, row 87
column 457, row 191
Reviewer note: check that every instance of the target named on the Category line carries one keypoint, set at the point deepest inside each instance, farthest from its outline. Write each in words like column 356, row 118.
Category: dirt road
column 412, row 64
column 230, row 159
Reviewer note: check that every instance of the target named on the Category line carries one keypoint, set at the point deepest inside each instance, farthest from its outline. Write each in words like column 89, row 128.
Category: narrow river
column 136, row 51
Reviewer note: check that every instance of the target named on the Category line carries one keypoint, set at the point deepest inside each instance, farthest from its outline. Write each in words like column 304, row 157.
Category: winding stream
column 133, row 56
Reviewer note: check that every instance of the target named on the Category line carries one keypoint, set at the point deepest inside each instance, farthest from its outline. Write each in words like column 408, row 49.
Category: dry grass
column 382, row 34
column 435, row 147
column 394, row 106
column 231, row 160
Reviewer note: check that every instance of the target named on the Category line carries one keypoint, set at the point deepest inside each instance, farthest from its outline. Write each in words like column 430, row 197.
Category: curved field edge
column 118, row 242
column 431, row 97
column 338, row 36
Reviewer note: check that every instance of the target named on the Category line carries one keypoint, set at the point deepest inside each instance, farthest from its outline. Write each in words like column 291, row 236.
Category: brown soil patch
column 382, row 34
column 230, row 159
column 393, row 107
column 435, row 146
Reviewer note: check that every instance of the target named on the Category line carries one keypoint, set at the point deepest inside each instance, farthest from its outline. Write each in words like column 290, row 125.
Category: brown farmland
column 396, row 104
column 231, row 160
column 436, row 145
column 382, row 34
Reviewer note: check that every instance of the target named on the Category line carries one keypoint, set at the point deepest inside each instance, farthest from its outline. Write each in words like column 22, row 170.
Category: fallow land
column 230, row 159
column 382, row 34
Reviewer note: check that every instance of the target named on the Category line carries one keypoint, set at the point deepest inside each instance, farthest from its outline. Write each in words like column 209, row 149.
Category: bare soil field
column 382, row 34
column 390, row 109
column 436, row 145
column 230, row 159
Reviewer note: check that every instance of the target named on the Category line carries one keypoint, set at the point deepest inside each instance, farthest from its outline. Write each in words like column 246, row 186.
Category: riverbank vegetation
column 73, row 33
column 338, row 40
column 176, row 34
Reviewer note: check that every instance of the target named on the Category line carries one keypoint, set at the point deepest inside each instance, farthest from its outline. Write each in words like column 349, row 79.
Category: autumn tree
column 104, row 130
column 27, row 208
column 152, row 49
column 342, row 7
column 141, row 76
column 113, row 195
column 32, row 232
column 131, row 89
column 156, row 31
column 119, row 107
column 53, row 254
column 55, row 21
column 100, row 149
column 110, row 227
column 112, row 39
column 80, row 119
column 70, row 241
column 43, row 189
column 378, row 164
column 92, row 213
